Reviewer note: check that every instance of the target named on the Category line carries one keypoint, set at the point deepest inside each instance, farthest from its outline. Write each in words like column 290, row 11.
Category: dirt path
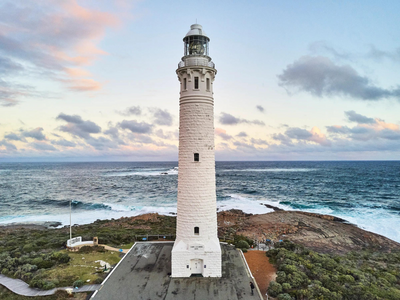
column 262, row 270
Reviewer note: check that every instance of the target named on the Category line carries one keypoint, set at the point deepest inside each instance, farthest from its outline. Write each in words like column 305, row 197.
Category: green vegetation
column 37, row 256
column 82, row 267
column 305, row 274
column 242, row 242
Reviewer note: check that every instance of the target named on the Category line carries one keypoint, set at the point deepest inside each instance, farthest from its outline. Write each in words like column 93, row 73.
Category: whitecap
column 272, row 170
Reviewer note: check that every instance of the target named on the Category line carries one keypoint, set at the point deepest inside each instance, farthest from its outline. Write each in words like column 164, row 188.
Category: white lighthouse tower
column 196, row 249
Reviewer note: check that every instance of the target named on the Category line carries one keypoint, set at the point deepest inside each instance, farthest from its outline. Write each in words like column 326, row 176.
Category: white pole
column 70, row 220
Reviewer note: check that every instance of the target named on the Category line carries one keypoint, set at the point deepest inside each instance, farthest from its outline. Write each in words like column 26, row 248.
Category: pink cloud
column 56, row 38
column 83, row 85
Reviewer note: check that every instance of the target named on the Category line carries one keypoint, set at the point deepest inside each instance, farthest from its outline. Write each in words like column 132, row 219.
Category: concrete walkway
column 114, row 249
column 20, row 287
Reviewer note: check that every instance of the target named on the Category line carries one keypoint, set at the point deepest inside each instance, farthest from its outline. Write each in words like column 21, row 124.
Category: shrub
column 242, row 244
column 284, row 297
column 286, row 286
column 274, row 289
column 78, row 283
column 48, row 285
column 45, row 264
column 89, row 249
column 29, row 247
column 98, row 280
column 5, row 271
column 37, row 283
column 281, row 277
column 60, row 257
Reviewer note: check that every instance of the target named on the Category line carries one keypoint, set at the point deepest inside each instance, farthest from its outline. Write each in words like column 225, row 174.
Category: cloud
column 8, row 146
column 372, row 53
column 8, row 66
column 298, row 133
column 41, row 146
column 35, row 134
column 366, row 129
column 83, row 84
column 283, row 139
column 50, row 38
column 64, row 143
column 355, row 117
column 143, row 139
column 14, row 137
column 260, row 108
column 259, row 142
column 167, row 135
column 222, row 133
column 380, row 55
column 112, row 131
column 78, row 127
column 102, row 143
column 324, row 47
column 302, row 135
column 228, row 119
column 136, row 127
column 11, row 93
column 161, row 117
column 243, row 146
column 242, row 134
column 133, row 110
column 320, row 77
column 338, row 129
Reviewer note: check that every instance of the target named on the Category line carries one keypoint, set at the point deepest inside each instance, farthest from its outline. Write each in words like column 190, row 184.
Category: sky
column 297, row 80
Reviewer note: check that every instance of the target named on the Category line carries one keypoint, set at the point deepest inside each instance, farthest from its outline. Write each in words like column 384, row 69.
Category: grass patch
column 126, row 246
column 82, row 266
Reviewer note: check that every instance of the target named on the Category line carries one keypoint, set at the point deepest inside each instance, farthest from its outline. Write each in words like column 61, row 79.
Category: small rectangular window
column 208, row 84
column 196, row 157
column 196, row 230
column 196, row 83
column 184, row 84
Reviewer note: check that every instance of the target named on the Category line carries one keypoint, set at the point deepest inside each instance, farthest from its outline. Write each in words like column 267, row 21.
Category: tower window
column 196, row 83
column 196, row 230
column 184, row 84
column 208, row 84
column 196, row 157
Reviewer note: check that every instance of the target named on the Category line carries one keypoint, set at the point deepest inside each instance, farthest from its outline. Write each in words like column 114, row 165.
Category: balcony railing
column 196, row 62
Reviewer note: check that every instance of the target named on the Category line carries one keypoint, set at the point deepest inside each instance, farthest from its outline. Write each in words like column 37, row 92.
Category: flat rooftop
column 144, row 274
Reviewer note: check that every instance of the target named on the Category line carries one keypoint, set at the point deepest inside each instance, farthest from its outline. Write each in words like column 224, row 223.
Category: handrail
column 196, row 62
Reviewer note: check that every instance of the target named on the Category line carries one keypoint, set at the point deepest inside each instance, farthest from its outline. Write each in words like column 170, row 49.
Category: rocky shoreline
column 321, row 233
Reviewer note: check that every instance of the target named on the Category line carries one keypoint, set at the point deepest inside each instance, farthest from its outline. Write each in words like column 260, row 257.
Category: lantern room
column 196, row 41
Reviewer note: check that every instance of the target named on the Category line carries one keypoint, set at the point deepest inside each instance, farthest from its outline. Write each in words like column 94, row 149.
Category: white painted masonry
column 196, row 253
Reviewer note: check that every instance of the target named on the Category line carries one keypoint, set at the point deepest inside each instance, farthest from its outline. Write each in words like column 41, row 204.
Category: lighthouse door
column 196, row 266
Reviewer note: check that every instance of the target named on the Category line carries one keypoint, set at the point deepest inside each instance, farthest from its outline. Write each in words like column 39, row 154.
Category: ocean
column 364, row 193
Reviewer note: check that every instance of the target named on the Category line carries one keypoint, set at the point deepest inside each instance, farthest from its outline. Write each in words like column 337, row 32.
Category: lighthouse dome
column 196, row 29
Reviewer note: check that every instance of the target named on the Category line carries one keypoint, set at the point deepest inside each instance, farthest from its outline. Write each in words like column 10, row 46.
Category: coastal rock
column 322, row 233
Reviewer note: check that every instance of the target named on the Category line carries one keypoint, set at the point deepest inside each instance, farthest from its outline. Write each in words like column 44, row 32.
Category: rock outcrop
column 322, row 233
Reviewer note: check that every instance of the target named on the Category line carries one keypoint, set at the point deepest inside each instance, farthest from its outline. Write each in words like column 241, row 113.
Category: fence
column 155, row 237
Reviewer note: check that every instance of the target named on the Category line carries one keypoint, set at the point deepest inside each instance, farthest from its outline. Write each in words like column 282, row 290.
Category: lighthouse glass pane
column 196, row 157
column 196, row 83
column 184, row 84
column 208, row 84
column 196, row 230
column 196, row 45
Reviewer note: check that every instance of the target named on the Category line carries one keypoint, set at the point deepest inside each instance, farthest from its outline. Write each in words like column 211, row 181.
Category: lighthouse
column 196, row 251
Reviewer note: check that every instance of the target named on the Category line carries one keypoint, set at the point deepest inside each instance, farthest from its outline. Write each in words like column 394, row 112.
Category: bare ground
column 262, row 270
